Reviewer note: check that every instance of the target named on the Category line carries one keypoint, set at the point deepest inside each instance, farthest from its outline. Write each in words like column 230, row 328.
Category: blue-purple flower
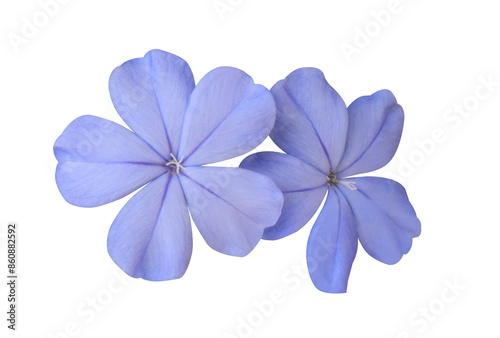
column 325, row 143
column 176, row 129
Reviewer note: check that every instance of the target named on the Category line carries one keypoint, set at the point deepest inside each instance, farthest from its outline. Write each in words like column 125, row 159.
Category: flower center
column 332, row 180
column 174, row 165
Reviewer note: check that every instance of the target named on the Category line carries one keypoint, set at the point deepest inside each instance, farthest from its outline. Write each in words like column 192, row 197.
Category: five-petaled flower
column 326, row 142
column 176, row 129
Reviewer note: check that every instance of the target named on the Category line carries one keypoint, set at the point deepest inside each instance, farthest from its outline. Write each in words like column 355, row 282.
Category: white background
column 431, row 54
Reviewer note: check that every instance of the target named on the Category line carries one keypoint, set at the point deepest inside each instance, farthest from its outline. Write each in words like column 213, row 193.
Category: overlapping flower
column 176, row 129
column 325, row 143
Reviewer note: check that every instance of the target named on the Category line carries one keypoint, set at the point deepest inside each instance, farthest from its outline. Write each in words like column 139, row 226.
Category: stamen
column 351, row 185
column 175, row 163
column 332, row 180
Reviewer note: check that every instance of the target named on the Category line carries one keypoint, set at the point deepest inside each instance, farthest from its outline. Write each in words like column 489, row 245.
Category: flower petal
column 385, row 219
column 151, row 236
column 311, row 120
column 332, row 245
column 231, row 206
column 101, row 161
column 302, row 185
column 228, row 115
column 375, row 128
column 151, row 95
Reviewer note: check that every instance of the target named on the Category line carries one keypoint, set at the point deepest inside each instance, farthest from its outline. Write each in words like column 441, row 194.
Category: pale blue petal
column 332, row 245
column 151, row 236
column 385, row 219
column 231, row 206
column 311, row 120
column 151, row 95
column 228, row 115
column 375, row 128
column 303, row 188
column 101, row 161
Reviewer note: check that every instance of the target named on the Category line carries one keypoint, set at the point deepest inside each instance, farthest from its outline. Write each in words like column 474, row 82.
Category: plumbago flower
column 176, row 129
column 326, row 143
